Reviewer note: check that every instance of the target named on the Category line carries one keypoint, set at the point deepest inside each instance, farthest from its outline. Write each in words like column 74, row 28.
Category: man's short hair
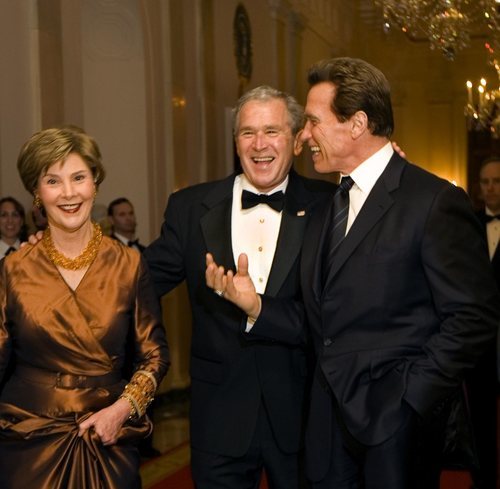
column 487, row 161
column 118, row 201
column 359, row 86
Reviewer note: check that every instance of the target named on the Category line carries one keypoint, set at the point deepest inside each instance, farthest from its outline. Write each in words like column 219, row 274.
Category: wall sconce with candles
column 482, row 112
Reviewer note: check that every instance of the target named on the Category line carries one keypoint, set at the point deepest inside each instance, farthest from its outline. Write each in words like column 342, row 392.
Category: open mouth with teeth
column 314, row 149
column 70, row 208
column 263, row 159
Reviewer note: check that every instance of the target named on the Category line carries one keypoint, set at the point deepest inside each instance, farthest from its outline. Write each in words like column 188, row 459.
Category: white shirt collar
column 244, row 184
column 5, row 246
column 489, row 212
column 367, row 173
column 121, row 238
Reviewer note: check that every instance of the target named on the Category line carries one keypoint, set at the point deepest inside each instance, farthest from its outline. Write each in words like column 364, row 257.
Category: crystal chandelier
column 446, row 24
column 482, row 111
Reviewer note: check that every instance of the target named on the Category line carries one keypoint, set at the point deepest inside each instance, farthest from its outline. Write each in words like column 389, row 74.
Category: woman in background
column 70, row 305
column 12, row 225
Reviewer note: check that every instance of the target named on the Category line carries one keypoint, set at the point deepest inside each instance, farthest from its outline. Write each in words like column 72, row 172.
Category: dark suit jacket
column 408, row 307
column 495, row 262
column 231, row 371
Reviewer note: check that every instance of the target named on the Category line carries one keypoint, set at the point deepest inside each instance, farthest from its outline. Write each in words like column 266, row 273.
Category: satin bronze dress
column 63, row 354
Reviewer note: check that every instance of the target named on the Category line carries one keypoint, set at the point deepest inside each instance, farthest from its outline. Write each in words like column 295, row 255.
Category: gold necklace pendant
column 84, row 259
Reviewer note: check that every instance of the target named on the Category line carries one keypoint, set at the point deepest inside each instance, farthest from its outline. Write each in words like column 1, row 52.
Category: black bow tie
column 134, row 242
column 488, row 218
column 275, row 201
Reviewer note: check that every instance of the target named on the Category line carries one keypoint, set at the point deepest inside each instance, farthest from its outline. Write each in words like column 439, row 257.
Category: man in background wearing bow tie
column 247, row 386
column 121, row 215
column 489, row 182
column 483, row 381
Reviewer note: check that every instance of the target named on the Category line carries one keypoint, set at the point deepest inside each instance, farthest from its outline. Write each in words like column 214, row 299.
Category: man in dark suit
column 397, row 288
column 489, row 182
column 482, row 382
column 121, row 216
column 247, row 384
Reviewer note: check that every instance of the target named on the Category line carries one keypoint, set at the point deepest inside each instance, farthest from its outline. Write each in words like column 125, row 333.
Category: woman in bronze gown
column 71, row 307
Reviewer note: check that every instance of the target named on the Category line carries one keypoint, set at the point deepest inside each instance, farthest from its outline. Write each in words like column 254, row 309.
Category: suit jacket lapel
column 377, row 204
column 216, row 222
column 290, row 238
column 314, row 242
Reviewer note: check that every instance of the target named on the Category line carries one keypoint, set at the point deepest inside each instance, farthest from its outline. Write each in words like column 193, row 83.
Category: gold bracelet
column 149, row 375
column 133, row 410
column 140, row 390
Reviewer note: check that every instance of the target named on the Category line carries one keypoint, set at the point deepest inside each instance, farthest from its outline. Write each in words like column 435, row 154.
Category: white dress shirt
column 255, row 232
column 492, row 232
column 5, row 246
column 125, row 240
column 365, row 176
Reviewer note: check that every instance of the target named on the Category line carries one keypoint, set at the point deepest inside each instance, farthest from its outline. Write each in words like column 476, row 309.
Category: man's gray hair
column 265, row 93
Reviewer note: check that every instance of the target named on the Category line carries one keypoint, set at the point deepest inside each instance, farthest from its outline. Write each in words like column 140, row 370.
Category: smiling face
column 11, row 222
column 265, row 143
column 329, row 140
column 67, row 193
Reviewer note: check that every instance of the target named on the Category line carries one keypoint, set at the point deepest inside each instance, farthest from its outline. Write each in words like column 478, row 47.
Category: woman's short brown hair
column 49, row 146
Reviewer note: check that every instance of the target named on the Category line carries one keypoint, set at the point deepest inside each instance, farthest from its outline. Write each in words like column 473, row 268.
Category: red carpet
column 182, row 480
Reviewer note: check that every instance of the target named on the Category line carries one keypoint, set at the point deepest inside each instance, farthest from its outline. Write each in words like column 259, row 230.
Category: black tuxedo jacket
column 232, row 371
column 495, row 262
column 409, row 305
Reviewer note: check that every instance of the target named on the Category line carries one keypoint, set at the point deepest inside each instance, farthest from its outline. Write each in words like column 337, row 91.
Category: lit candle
column 480, row 89
column 469, row 92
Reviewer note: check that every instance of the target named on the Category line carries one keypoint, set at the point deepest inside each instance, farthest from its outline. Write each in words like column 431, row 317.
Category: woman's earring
column 37, row 202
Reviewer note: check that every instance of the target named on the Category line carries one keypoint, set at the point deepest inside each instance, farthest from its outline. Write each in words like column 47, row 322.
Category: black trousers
column 214, row 471
column 410, row 459
column 483, row 391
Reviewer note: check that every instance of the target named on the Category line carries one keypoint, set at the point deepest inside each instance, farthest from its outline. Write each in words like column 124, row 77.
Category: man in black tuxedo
column 121, row 216
column 482, row 382
column 397, row 288
column 247, row 383
column 489, row 182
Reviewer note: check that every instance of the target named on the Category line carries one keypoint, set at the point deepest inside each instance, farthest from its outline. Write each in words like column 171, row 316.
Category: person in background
column 482, row 382
column 12, row 225
column 69, row 306
column 123, row 223
column 489, row 183
column 397, row 289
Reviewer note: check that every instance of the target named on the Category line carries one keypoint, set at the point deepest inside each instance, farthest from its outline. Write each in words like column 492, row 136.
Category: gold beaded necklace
column 85, row 258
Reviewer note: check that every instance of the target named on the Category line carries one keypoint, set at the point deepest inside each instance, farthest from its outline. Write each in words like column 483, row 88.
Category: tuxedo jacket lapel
column 377, row 204
column 290, row 238
column 216, row 223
